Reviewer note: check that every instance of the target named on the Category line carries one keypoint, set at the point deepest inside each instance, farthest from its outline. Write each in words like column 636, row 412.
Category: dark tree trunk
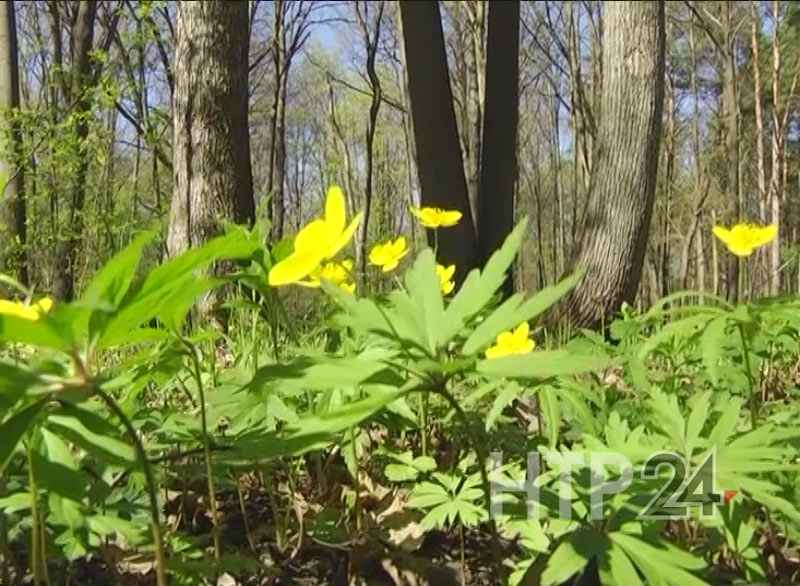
column 13, row 209
column 213, row 179
column 441, row 170
column 617, row 220
column 501, row 114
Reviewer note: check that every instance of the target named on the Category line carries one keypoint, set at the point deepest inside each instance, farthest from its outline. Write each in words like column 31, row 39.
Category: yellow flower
column 436, row 217
column 336, row 272
column 388, row 255
column 510, row 343
column 743, row 239
column 29, row 312
column 320, row 240
column 445, row 275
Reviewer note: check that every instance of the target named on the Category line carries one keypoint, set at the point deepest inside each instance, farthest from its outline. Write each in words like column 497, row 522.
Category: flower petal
column 449, row 218
column 293, row 268
column 335, row 208
column 343, row 238
column 315, row 236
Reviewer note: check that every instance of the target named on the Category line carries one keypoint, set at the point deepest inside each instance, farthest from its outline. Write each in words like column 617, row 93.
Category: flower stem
column 212, row 494
column 750, row 379
column 356, row 486
column 152, row 491
column 423, row 422
column 478, row 446
column 36, row 554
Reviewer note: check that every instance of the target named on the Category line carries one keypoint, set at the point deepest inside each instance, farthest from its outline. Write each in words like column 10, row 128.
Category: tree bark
column 501, row 116
column 617, row 220
column 13, row 207
column 82, row 34
column 439, row 163
column 213, row 177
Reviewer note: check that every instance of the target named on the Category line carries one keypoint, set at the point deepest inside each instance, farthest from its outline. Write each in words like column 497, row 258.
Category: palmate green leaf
column 572, row 555
column 697, row 419
column 542, row 364
column 514, row 311
column 615, row 568
column 480, row 286
column 396, row 321
column 662, row 563
column 423, row 289
column 12, row 430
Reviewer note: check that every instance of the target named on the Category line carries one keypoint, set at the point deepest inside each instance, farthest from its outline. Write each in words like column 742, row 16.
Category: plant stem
column 750, row 379
column 152, row 491
column 356, row 489
column 423, row 422
column 212, row 494
column 463, row 557
column 478, row 446
column 36, row 562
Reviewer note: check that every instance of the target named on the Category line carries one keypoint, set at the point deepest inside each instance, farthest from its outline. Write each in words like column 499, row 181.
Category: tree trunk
column 731, row 112
column 13, row 209
column 776, row 184
column 69, row 248
column 499, row 155
column 213, row 178
column 441, row 170
column 617, row 220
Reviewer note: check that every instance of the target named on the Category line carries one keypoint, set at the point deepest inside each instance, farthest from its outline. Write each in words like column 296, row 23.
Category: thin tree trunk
column 69, row 248
column 13, row 203
column 776, row 184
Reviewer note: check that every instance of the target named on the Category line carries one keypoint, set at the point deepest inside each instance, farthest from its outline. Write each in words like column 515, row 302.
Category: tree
column 439, row 163
column 75, row 91
column 617, row 219
column 13, row 214
column 498, row 169
column 211, row 158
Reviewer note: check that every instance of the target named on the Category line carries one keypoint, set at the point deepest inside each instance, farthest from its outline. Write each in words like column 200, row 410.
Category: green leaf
column 108, row 287
column 42, row 332
column 510, row 392
column 712, row 343
column 663, row 563
column 12, row 430
column 165, row 285
column 542, row 364
column 551, row 411
column 512, row 313
column 322, row 373
column 480, row 286
column 14, row 382
column 93, row 433
column 308, row 433
column 616, row 569
column 425, row 293
column 572, row 555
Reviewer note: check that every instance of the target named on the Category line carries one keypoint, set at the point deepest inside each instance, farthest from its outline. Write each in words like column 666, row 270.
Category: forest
column 399, row 292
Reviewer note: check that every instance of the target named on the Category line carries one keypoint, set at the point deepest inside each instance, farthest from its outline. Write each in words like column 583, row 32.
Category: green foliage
column 119, row 398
